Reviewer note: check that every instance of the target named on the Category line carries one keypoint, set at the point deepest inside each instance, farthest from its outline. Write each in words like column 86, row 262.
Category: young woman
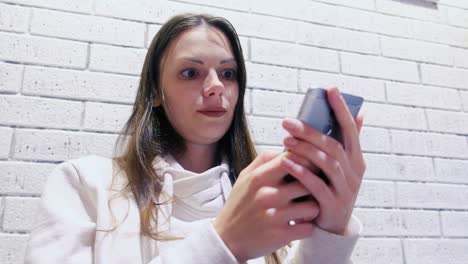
column 187, row 186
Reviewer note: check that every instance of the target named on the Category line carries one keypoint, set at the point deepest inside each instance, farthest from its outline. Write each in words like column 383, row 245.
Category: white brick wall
column 69, row 70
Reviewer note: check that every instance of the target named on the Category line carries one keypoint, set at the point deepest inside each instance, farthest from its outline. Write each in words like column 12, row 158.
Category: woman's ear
column 156, row 102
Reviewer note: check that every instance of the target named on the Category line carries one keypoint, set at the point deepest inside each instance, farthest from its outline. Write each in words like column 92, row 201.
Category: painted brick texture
column 69, row 72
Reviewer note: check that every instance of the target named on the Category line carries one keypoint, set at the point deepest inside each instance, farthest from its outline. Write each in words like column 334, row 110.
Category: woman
column 170, row 196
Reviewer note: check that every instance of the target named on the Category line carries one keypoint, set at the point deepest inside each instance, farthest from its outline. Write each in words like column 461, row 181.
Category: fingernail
column 292, row 124
column 291, row 164
column 290, row 141
column 336, row 95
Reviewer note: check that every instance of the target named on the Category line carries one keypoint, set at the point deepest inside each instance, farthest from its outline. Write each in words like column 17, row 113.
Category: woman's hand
column 344, row 165
column 255, row 219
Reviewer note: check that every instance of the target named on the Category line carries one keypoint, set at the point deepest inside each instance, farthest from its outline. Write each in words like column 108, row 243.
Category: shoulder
column 88, row 171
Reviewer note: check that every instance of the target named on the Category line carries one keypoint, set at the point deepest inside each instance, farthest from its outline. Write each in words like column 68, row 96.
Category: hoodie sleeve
column 325, row 247
column 203, row 245
column 64, row 230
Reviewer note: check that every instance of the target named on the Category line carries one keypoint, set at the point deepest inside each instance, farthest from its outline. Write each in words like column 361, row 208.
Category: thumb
column 259, row 160
column 359, row 122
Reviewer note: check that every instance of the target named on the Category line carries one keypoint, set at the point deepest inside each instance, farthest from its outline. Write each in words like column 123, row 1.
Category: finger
column 270, row 173
column 345, row 120
column 359, row 122
column 303, row 161
column 316, row 186
column 281, row 195
column 299, row 231
column 301, row 210
column 259, row 160
column 329, row 165
column 301, row 131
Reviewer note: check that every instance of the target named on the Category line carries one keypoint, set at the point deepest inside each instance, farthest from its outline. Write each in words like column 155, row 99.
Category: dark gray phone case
column 317, row 113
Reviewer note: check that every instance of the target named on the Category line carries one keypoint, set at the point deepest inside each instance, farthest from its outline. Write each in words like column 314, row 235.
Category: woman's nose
column 213, row 85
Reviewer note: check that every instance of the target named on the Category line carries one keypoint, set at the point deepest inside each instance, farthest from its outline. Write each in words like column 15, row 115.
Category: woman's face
column 199, row 83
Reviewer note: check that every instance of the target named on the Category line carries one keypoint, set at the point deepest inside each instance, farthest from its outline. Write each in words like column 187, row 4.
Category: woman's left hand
column 343, row 164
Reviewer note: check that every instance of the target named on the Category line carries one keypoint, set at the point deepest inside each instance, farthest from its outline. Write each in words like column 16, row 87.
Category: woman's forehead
column 200, row 41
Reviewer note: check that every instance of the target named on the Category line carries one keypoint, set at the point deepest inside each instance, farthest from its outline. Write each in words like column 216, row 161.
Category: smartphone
column 316, row 112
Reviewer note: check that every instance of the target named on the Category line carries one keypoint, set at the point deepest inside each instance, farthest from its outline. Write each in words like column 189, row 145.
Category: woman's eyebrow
column 198, row 61
column 228, row 61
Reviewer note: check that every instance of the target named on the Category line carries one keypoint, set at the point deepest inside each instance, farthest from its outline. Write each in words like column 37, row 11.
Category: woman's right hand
column 255, row 219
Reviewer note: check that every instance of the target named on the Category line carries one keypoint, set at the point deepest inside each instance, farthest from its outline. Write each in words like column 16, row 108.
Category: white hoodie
column 75, row 207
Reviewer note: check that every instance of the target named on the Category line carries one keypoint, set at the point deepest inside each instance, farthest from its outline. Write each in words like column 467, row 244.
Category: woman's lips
column 213, row 113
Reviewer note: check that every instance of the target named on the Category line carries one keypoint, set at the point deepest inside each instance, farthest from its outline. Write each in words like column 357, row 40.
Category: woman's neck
column 197, row 157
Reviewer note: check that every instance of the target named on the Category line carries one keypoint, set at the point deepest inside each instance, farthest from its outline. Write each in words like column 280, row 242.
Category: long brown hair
column 148, row 133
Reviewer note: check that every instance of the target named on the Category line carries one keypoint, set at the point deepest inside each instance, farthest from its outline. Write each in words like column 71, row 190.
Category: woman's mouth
column 213, row 111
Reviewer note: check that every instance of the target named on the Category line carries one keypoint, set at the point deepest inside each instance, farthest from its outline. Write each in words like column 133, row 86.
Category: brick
column 451, row 170
column 363, row 4
column 454, row 223
column 370, row 89
column 13, row 248
column 376, row 193
column 260, row 26
column 457, row 17
column 403, row 168
column 51, row 145
column 375, row 139
column 230, row 4
column 421, row 11
column 245, row 48
column 378, row 67
column 23, row 177
column 87, row 28
column 80, row 85
column 266, row 130
column 392, row 222
column 456, row 3
column 447, row 121
column 20, row 213
column 421, row 95
column 383, row 115
column 293, row 55
column 431, row 144
column 420, row 223
column 364, row 20
column 116, row 59
column 10, row 77
column 461, row 57
column 432, row 195
column 435, row 251
column 14, row 18
column 380, row 250
column 106, row 117
column 417, row 50
column 300, row 9
column 6, row 134
column 80, row 6
column 271, row 77
column 444, row 76
column 439, row 33
column 464, row 97
column 337, row 38
column 151, row 33
column 141, row 10
column 40, row 112
column 40, row 50
column 276, row 104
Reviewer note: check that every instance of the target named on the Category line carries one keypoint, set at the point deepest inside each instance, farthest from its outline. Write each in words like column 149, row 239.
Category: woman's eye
column 189, row 73
column 229, row 74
